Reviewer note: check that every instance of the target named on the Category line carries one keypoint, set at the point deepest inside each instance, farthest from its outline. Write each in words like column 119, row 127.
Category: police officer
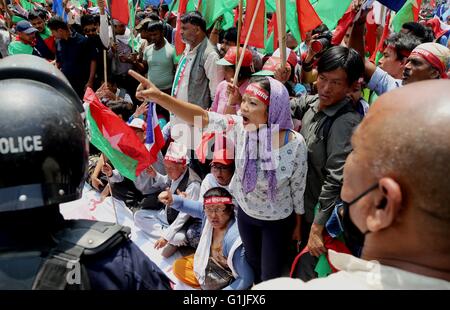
column 43, row 162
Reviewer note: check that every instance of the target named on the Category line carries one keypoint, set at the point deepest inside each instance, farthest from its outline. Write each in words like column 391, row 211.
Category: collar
column 195, row 49
column 177, row 181
column 331, row 110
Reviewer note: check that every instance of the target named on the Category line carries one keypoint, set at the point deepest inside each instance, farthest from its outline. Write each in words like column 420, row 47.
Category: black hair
column 244, row 74
column 33, row 14
column 154, row 26
column 56, row 23
column 230, row 35
column 342, row 57
column 220, row 192
column 263, row 81
column 194, row 18
column 420, row 31
column 87, row 20
column 404, row 43
column 320, row 29
column 140, row 15
column 164, row 7
column 154, row 16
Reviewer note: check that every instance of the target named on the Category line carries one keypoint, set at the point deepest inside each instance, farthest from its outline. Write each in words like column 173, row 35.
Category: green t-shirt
column 161, row 64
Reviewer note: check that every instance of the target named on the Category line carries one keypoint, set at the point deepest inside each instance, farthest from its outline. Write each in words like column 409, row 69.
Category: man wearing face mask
column 396, row 194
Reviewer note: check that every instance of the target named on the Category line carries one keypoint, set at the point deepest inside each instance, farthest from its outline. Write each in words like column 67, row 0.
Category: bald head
column 406, row 136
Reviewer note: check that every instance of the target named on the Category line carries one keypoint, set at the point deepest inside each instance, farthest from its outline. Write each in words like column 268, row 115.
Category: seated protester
column 328, row 120
column 111, row 92
column 219, row 261
column 4, row 39
column 287, row 75
column 427, row 61
column 45, row 41
column 25, row 41
column 221, row 103
column 143, row 192
column 180, row 179
column 222, row 170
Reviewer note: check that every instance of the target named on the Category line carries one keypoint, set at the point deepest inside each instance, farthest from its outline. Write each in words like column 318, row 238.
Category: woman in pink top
column 222, row 93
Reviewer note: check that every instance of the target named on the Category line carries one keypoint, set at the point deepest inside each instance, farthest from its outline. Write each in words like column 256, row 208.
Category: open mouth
column 245, row 120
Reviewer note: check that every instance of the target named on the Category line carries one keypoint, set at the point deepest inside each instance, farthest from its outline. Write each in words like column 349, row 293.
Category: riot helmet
column 43, row 145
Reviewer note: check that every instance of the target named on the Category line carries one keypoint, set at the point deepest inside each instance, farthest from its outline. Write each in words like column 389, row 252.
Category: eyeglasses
column 217, row 211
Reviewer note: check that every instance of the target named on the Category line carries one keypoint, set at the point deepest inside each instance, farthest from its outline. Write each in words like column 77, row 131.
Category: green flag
column 191, row 6
column 330, row 11
column 27, row 5
column 212, row 10
column 408, row 13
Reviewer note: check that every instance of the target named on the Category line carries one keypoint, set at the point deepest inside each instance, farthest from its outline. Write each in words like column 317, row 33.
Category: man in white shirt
column 196, row 78
column 396, row 196
column 179, row 179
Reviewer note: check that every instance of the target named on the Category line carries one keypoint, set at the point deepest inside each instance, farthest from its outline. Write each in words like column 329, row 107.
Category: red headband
column 218, row 200
column 432, row 59
column 175, row 160
column 401, row 52
column 258, row 92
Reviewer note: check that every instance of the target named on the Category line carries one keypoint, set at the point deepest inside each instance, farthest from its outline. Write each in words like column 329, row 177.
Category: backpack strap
column 329, row 120
column 63, row 268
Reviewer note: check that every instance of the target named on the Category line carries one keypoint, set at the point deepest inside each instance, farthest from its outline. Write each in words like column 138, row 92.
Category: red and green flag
column 408, row 13
column 111, row 135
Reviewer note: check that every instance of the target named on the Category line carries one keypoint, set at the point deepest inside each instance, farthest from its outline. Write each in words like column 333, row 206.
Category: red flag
column 179, row 44
column 257, row 35
column 344, row 23
column 371, row 33
column 307, row 17
column 383, row 38
column 120, row 11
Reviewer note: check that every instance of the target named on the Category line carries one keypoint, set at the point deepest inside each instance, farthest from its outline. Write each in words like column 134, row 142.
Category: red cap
column 290, row 54
column 230, row 57
column 223, row 150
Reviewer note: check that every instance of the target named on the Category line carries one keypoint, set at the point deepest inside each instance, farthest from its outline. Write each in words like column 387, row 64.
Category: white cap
column 177, row 153
column 138, row 123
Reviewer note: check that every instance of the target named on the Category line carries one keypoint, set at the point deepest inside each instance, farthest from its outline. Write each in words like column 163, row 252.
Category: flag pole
column 115, row 55
column 239, row 29
column 241, row 58
column 281, row 24
column 105, row 69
